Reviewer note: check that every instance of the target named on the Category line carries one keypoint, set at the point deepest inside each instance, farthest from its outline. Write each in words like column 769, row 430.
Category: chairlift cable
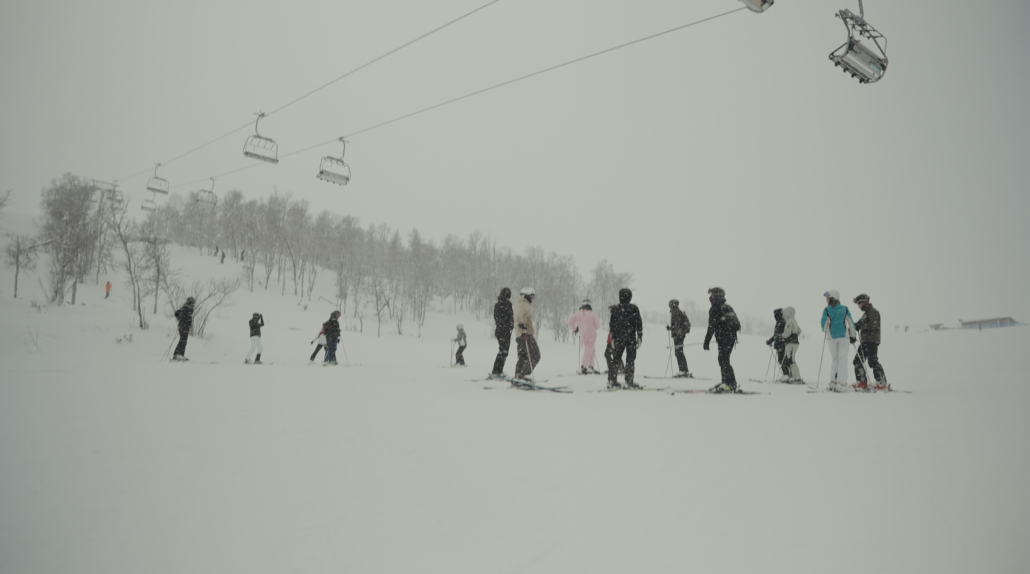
column 481, row 91
column 365, row 65
column 369, row 63
column 505, row 83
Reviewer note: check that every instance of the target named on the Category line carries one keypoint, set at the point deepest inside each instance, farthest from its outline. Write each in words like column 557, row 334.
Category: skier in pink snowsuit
column 585, row 322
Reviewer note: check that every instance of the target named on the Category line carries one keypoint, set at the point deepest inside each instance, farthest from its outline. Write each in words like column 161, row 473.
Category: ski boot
column 784, row 379
column 613, row 385
column 257, row 359
column 632, row 385
column 861, row 386
column 881, row 387
column 724, row 388
column 593, row 371
column 583, row 371
column 683, row 375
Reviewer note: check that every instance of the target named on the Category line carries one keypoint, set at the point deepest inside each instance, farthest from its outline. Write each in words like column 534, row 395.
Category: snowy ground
column 113, row 462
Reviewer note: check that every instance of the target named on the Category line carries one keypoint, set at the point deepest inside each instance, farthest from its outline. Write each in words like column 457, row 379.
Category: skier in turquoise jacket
column 838, row 321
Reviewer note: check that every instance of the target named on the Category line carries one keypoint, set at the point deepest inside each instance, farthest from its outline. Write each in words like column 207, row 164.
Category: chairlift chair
column 865, row 61
column 148, row 205
column 335, row 170
column 208, row 196
column 157, row 184
column 758, row 6
column 115, row 197
column 261, row 148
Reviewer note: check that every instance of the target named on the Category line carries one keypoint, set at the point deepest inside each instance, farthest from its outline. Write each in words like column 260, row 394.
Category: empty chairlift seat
column 148, row 205
column 157, row 184
column 261, row 148
column 864, row 55
column 333, row 169
column 758, row 6
column 207, row 196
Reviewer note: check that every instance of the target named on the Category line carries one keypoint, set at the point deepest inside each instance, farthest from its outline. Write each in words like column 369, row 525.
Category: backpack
column 729, row 319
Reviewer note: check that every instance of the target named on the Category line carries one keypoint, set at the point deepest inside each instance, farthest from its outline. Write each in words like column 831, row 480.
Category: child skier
column 331, row 328
column 679, row 326
column 869, row 328
column 184, row 316
column 585, row 323
column 256, row 322
column 462, row 343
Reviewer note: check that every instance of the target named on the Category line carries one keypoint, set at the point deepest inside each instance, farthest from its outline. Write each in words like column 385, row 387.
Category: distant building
column 989, row 323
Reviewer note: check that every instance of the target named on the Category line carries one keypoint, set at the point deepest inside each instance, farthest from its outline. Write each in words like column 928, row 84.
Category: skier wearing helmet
column 184, row 316
column 679, row 326
column 504, row 321
column 256, row 322
column 585, row 323
column 526, row 347
column 462, row 343
column 838, row 327
column 869, row 328
column 724, row 325
column 331, row 329
column 627, row 331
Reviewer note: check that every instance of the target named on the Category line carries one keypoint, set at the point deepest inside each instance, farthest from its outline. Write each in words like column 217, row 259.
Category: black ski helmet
column 625, row 295
column 674, row 303
column 862, row 299
column 717, row 292
column 505, row 293
column 335, row 315
column 190, row 300
column 256, row 315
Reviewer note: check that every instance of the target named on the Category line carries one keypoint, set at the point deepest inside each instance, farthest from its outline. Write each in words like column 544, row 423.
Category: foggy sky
column 732, row 153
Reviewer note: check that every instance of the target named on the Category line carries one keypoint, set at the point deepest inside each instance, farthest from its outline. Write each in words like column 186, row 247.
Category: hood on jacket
column 625, row 295
column 505, row 294
column 788, row 313
column 778, row 314
column 718, row 300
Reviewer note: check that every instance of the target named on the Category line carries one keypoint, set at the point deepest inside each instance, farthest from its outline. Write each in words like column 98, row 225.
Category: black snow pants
column 503, row 344
column 458, row 359
column 317, row 349
column 725, row 348
column 180, row 349
column 529, row 355
column 868, row 351
column 781, row 353
column 681, row 359
column 630, row 348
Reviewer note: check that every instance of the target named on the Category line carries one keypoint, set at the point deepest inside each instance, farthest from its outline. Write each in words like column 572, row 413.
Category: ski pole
column 768, row 364
column 525, row 340
column 169, row 349
column 818, row 377
column 668, row 364
column 344, row 349
column 450, row 358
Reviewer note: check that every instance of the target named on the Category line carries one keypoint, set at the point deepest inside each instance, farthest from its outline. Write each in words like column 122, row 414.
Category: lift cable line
column 477, row 92
column 323, row 86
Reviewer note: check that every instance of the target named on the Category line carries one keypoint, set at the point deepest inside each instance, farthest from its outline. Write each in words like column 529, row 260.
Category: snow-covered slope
column 111, row 461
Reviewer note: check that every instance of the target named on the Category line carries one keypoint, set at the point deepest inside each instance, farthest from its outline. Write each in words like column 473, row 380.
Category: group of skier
column 626, row 335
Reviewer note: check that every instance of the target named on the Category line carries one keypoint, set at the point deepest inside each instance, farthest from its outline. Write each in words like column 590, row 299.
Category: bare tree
column 20, row 254
column 135, row 262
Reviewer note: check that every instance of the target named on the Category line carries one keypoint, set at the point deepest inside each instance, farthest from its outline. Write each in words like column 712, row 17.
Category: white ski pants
column 839, row 359
column 255, row 343
column 790, row 353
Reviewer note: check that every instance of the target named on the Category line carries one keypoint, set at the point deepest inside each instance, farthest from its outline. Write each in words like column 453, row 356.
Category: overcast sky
column 731, row 153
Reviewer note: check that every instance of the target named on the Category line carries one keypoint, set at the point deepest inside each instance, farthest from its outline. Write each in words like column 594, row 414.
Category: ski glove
column 668, row 327
column 705, row 347
column 853, row 340
column 576, row 331
column 640, row 341
column 770, row 341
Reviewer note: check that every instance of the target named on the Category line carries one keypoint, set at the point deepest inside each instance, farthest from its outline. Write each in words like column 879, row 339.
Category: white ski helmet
column 527, row 291
column 832, row 294
column 460, row 326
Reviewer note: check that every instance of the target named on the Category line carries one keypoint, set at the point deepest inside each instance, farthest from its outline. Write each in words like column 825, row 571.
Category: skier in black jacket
column 627, row 330
column 723, row 324
column 679, row 326
column 331, row 330
column 780, row 344
column 256, row 322
column 504, row 319
column 184, row 315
